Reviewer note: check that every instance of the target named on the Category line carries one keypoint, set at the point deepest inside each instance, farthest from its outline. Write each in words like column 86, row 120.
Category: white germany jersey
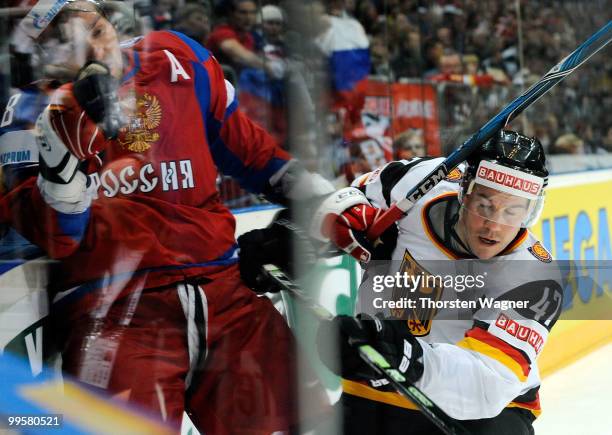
column 480, row 359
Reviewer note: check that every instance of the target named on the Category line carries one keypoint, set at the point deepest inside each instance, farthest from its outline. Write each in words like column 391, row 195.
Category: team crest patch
column 419, row 319
column 454, row 176
column 540, row 252
column 145, row 115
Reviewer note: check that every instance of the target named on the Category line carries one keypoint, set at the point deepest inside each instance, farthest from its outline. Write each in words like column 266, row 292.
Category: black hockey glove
column 389, row 337
column 95, row 89
column 282, row 243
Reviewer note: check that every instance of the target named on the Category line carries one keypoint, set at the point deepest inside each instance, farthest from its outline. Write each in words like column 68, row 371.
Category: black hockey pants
column 362, row 416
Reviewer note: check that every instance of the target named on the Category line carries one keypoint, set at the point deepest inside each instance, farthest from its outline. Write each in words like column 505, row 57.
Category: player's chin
column 486, row 248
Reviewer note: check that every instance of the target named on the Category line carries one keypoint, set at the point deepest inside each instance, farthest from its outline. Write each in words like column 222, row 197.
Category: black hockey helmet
column 514, row 150
column 508, row 165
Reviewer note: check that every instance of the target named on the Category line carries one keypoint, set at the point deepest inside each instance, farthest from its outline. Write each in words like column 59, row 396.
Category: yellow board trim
column 86, row 410
column 470, row 343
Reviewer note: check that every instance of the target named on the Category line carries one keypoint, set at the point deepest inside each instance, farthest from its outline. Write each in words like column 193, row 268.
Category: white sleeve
column 466, row 384
column 391, row 182
column 496, row 361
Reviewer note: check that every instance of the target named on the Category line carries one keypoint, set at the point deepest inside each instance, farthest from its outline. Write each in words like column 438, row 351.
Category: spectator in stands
column 233, row 43
column 367, row 14
column 125, row 19
column 163, row 13
column 263, row 96
column 272, row 26
column 409, row 144
column 433, row 50
column 449, row 63
column 445, row 35
column 379, row 55
column 548, row 130
column 606, row 140
column 408, row 61
column 471, row 64
column 192, row 20
column 568, row 143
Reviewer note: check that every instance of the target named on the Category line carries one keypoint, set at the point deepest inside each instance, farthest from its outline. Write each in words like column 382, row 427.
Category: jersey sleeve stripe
column 231, row 108
column 390, row 398
column 218, row 89
column 202, row 89
column 73, row 225
column 480, row 341
column 131, row 73
column 200, row 52
column 533, row 406
column 253, row 179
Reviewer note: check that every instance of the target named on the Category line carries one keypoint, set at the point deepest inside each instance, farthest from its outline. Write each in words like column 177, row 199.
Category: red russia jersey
column 157, row 209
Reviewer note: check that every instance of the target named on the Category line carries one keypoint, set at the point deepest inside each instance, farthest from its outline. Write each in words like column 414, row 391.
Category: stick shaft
column 373, row 359
column 588, row 48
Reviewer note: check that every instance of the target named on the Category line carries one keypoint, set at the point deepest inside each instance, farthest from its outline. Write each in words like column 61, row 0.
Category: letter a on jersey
column 176, row 68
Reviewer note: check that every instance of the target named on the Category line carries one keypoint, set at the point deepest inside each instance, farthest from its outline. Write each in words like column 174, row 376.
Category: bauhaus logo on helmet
column 508, row 180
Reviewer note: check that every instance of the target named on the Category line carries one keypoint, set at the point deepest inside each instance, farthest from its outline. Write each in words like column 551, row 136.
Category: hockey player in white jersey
column 478, row 364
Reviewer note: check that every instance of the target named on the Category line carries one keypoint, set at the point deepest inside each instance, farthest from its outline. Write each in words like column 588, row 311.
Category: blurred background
column 348, row 85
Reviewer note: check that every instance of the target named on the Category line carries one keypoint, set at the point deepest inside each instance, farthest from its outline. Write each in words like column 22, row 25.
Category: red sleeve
column 239, row 147
column 220, row 34
column 25, row 210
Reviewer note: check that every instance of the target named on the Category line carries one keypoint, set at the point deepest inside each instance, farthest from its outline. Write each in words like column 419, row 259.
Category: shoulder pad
column 179, row 44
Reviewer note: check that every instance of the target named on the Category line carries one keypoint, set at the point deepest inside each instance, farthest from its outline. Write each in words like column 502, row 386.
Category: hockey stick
column 372, row 358
column 570, row 63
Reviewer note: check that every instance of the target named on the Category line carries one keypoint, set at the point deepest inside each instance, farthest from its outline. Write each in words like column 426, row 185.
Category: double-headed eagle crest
column 145, row 115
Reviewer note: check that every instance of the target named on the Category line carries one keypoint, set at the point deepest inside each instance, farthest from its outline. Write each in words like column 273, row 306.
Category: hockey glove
column 78, row 123
column 344, row 217
column 350, row 229
column 95, row 89
column 278, row 244
column 391, row 338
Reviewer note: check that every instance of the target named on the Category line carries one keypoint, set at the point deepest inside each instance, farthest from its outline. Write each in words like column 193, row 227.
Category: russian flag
column 346, row 45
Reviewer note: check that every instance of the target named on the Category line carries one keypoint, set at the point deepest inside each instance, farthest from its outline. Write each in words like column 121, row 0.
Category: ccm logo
column 428, row 183
column 521, row 332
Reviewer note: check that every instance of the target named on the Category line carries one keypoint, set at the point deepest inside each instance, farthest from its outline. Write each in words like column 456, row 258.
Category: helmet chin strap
column 455, row 235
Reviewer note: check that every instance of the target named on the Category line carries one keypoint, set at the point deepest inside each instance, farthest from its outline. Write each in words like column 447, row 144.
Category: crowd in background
column 439, row 40
column 478, row 54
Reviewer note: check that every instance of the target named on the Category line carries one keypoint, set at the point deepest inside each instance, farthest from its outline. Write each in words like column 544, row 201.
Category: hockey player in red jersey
column 147, row 297
column 479, row 364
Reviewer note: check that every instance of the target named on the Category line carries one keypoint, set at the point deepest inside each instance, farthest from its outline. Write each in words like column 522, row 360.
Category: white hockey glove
column 345, row 217
column 78, row 123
